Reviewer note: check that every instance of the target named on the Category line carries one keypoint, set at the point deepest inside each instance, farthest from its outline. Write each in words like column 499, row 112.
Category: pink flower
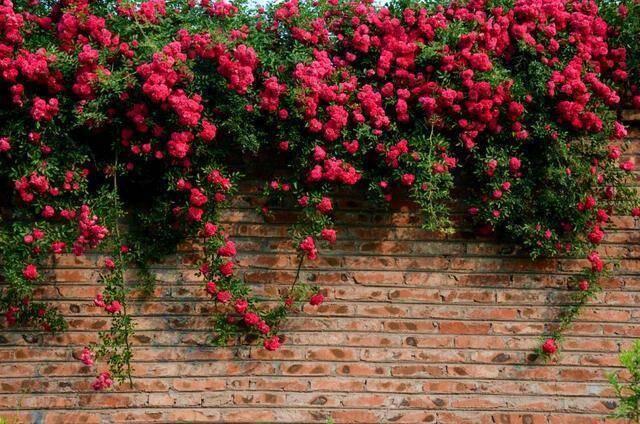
column 614, row 152
column 325, row 205
column 103, row 381
column 109, row 264
column 195, row 214
column 627, row 166
column 303, row 201
column 329, row 235
column 589, row 202
column 10, row 315
column 583, row 285
column 596, row 263
column 228, row 249
column 4, row 144
column 211, row 288
column 30, row 272
column 223, row 296
column 319, row 154
column 480, row 62
column 272, row 343
column 86, row 356
column 596, row 235
column 209, row 229
column 251, row 319
column 197, row 198
column 44, row 110
column 602, row 215
column 58, row 247
column 208, row 132
column 48, row 212
column 241, row 306
column 623, row 10
column 316, row 299
column 351, row 146
column 619, row 131
column 408, row 179
column 113, row 307
column 263, row 327
column 226, row 269
column 514, row 164
column 308, row 245
column 550, row 346
column 179, row 144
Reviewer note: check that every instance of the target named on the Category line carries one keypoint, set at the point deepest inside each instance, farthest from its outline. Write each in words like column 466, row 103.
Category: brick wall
column 418, row 328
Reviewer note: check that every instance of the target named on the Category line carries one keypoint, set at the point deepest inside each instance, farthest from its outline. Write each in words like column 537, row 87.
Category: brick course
column 418, row 327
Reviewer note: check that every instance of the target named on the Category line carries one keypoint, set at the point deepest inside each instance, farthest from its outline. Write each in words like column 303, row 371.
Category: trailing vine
column 146, row 114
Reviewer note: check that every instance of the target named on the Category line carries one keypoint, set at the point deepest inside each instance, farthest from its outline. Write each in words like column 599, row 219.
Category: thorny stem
column 121, row 261
column 295, row 281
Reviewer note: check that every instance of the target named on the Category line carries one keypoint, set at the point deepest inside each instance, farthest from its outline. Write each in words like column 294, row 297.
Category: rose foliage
column 145, row 114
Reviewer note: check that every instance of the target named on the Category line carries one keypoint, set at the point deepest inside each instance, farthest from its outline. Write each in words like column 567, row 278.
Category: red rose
column 272, row 343
column 308, row 245
column 209, row 229
column 596, row 235
column 195, row 214
column 103, row 381
column 408, row 179
column 223, row 296
column 48, row 212
column 241, row 306
column 627, row 166
column 109, row 264
column 316, row 299
column 208, row 132
column 86, row 356
column 30, row 272
column 596, row 263
column 4, row 144
column 197, row 198
column 228, row 249
column 226, row 269
column 211, row 288
column 319, row 154
column 325, row 205
column 549, row 346
column 113, row 307
column 263, row 327
column 329, row 235
column 58, row 247
column 251, row 319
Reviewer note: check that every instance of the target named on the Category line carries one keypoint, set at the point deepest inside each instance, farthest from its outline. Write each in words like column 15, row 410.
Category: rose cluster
column 149, row 113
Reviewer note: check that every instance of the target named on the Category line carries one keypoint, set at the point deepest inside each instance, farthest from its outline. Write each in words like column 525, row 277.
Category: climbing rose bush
column 146, row 114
